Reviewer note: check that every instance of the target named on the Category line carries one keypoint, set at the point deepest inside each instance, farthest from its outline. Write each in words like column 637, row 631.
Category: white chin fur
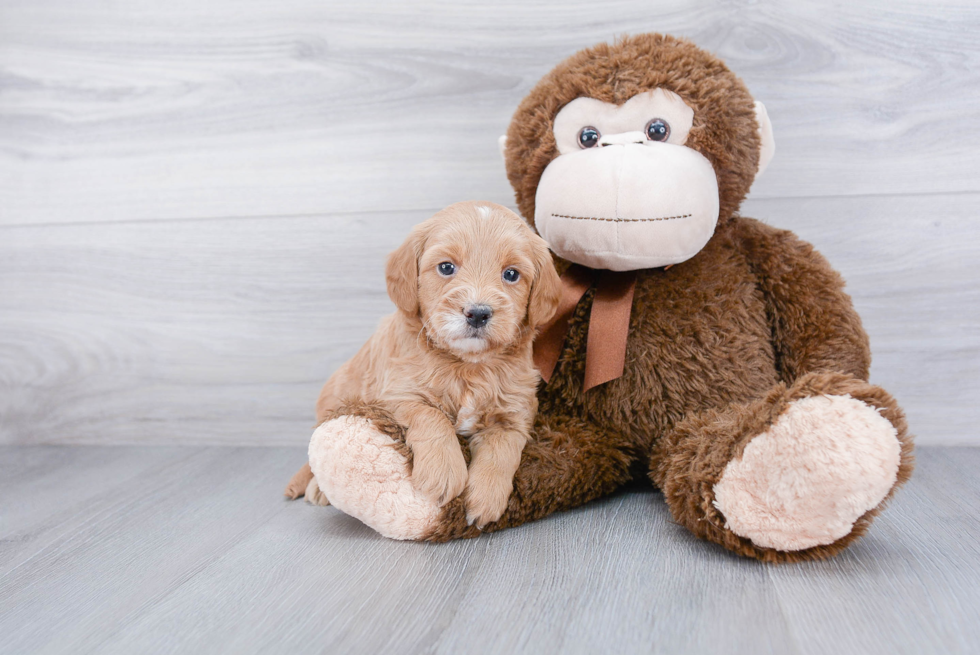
column 455, row 334
column 468, row 345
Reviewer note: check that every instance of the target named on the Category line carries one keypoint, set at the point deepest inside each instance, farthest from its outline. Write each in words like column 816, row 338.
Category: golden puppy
column 471, row 285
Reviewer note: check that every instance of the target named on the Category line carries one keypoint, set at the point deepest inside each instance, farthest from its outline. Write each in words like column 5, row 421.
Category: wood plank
column 312, row 580
column 614, row 575
column 223, row 331
column 912, row 585
column 618, row 576
column 205, row 556
column 43, row 488
column 185, row 110
column 203, row 332
column 129, row 548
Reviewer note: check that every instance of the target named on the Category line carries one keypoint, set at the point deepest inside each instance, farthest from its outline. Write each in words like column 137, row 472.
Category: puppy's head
column 478, row 277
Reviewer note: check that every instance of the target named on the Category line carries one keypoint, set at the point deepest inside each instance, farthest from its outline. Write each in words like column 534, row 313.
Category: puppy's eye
column 446, row 269
column 658, row 130
column 588, row 137
column 512, row 275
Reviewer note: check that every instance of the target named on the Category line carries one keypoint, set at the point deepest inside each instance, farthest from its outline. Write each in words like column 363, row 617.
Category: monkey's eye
column 658, row 130
column 588, row 137
column 512, row 275
column 446, row 269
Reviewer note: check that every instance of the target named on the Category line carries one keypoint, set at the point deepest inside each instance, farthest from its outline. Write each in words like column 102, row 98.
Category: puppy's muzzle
column 478, row 316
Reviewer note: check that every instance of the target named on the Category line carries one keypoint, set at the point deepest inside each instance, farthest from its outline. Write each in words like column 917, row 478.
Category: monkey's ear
column 767, row 147
column 545, row 288
column 402, row 272
column 502, row 144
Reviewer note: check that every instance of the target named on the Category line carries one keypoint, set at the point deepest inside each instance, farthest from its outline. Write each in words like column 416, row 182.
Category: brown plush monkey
column 714, row 355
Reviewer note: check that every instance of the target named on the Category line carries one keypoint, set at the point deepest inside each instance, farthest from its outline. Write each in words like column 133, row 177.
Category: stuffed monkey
column 711, row 354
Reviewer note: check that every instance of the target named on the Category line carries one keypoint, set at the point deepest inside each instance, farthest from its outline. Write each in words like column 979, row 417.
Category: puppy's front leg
column 438, row 465
column 496, row 454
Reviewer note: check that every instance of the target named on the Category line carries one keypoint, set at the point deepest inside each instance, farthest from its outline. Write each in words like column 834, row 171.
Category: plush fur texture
column 804, row 482
column 692, row 459
column 364, row 476
column 720, row 347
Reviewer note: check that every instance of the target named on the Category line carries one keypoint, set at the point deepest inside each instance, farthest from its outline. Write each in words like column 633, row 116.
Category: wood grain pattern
column 201, row 332
column 134, row 543
column 222, row 331
column 42, row 490
column 930, row 536
column 203, row 555
column 282, row 149
column 153, row 110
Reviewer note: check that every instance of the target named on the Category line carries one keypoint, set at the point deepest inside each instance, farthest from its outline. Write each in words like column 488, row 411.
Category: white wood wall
column 196, row 197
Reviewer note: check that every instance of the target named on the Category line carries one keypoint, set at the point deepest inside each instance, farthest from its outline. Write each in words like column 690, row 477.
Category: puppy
column 471, row 285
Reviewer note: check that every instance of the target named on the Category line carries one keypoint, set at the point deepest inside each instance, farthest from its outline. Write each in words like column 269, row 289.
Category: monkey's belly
column 699, row 339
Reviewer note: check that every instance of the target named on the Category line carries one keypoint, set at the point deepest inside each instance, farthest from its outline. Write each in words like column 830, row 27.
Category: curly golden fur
column 437, row 374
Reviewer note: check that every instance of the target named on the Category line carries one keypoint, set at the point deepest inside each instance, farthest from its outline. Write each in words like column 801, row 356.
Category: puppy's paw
column 298, row 483
column 314, row 496
column 487, row 493
column 438, row 471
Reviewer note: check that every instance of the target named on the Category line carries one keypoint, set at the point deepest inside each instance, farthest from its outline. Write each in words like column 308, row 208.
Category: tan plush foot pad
column 363, row 476
column 804, row 482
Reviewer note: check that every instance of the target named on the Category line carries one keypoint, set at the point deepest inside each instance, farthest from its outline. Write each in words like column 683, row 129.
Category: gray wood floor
column 192, row 550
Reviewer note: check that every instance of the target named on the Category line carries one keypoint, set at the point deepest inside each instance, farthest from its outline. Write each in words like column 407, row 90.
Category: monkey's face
column 625, row 191
column 627, row 156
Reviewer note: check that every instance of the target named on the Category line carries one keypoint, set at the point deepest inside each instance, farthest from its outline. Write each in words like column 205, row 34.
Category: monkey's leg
column 796, row 475
column 363, row 466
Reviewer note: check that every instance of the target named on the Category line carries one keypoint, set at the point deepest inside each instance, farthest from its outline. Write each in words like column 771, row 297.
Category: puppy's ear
column 546, row 287
column 402, row 272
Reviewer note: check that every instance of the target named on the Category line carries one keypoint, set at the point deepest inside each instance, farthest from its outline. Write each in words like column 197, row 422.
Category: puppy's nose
column 478, row 315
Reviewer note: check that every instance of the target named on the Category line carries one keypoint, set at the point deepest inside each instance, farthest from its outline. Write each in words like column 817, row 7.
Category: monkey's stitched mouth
column 622, row 220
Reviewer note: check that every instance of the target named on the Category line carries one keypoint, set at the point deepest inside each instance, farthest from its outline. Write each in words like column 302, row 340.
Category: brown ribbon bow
column 609, row 323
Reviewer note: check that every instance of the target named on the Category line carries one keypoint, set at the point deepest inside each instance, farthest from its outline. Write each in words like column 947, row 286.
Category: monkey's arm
column 814, row 325
column 367, row 470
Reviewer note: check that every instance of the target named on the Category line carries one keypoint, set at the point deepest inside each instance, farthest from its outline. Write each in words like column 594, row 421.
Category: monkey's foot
column 824, row 463
column 358, row 467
